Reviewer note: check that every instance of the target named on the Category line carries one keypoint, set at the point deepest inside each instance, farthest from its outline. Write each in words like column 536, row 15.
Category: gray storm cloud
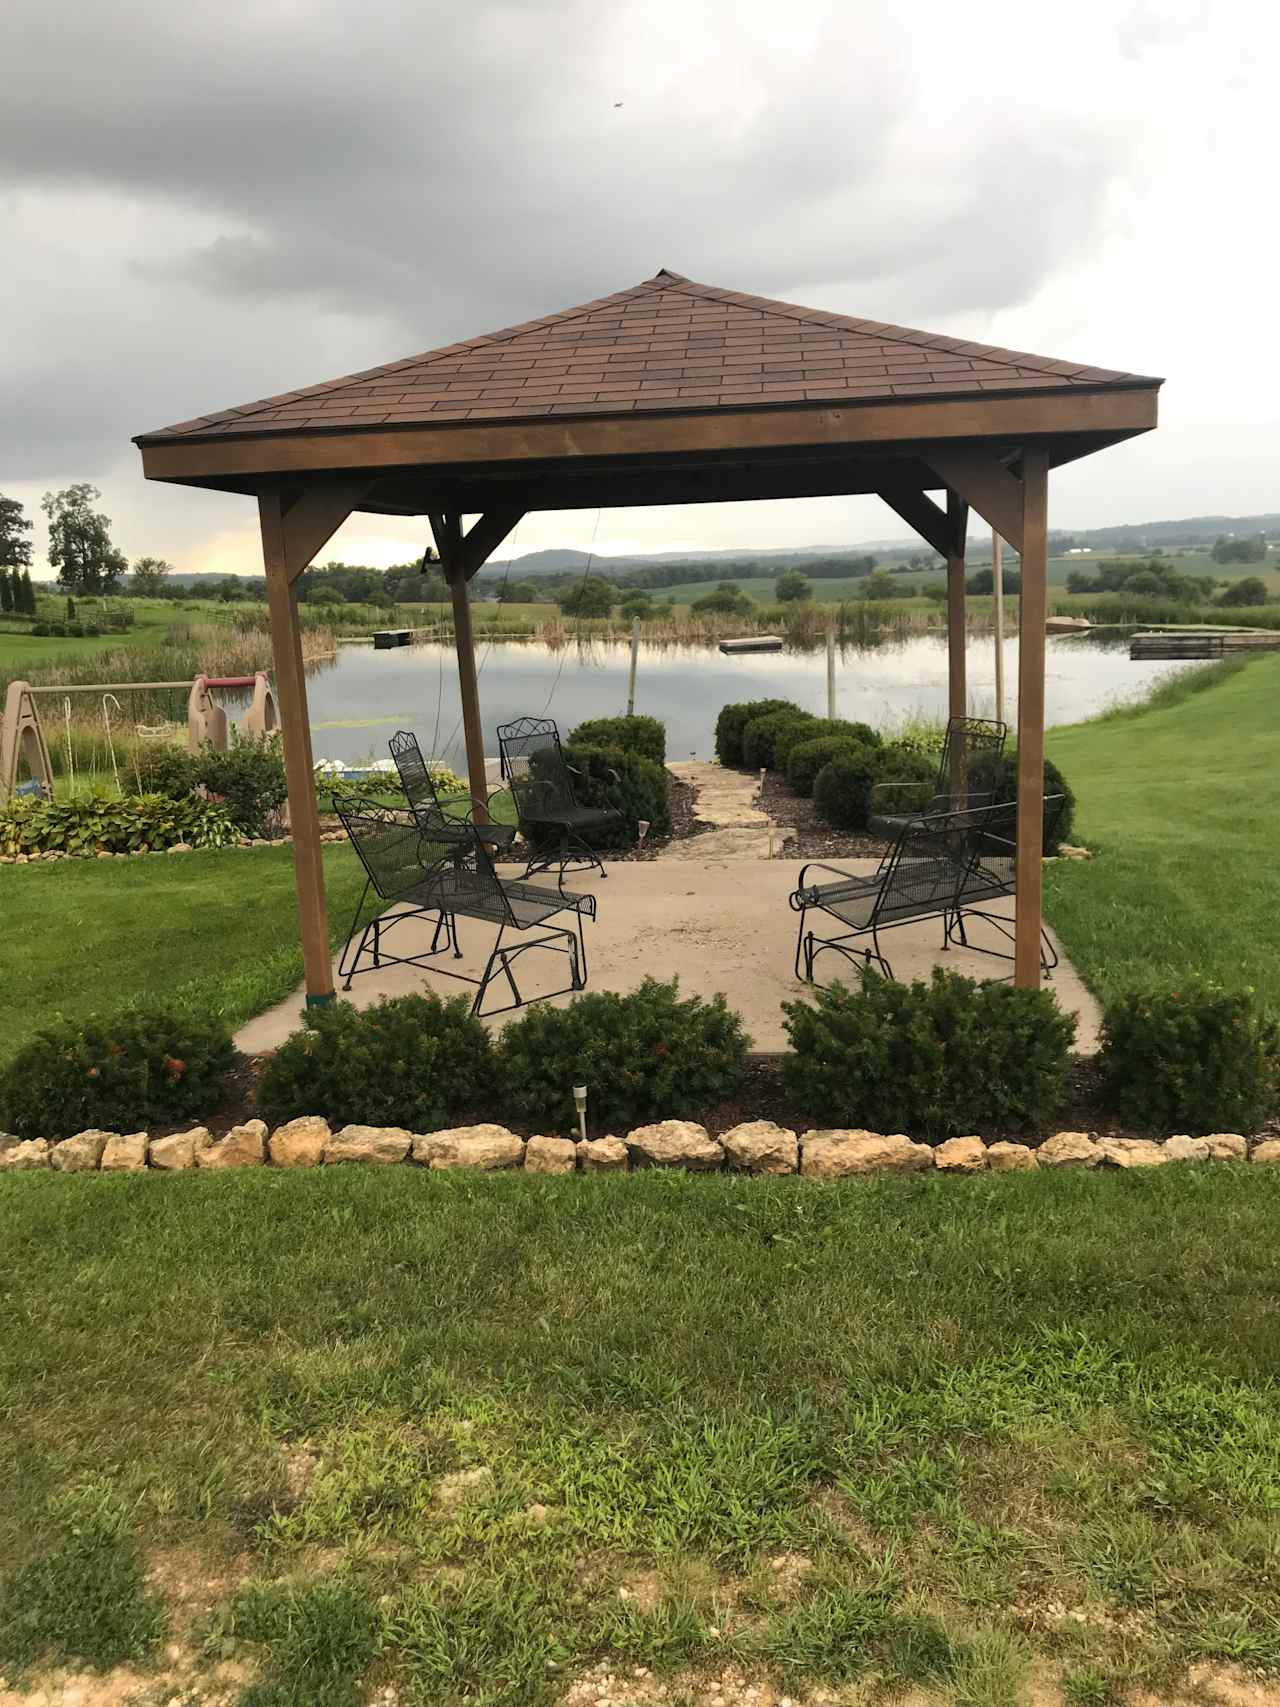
column 215, row 203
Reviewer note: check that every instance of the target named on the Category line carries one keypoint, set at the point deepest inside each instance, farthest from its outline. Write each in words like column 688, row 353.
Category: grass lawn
column 215, row 930
column 1180, row 802
column 896, row 1432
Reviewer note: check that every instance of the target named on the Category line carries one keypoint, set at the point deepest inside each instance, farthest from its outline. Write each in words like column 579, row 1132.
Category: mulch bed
column 762, row 1096
column 814, row 838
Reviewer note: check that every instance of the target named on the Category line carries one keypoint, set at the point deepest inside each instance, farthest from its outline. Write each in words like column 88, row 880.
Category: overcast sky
column 202, row 205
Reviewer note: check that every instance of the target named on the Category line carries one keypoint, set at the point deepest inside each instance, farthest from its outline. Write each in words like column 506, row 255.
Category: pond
column 360, row 698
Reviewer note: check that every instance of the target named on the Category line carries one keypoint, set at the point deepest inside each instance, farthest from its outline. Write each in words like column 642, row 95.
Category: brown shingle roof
column 668, row 344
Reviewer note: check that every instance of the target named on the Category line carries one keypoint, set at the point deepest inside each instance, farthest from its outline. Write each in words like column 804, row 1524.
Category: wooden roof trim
column 722, row 431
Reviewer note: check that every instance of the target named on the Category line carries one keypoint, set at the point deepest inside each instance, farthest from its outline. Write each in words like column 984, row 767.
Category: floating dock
column 387, row 637
column 753, row 643
column 1203, row 642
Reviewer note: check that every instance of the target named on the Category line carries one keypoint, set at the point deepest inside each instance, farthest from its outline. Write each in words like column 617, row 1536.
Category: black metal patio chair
column 557, row 828
column 950, row 865
column 965, row 737
column 420, row 791
column 449, row 873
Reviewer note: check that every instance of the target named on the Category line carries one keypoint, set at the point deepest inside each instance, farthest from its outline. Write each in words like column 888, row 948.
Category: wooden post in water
column 831, row 674
column 997, row 587
column 635, row 654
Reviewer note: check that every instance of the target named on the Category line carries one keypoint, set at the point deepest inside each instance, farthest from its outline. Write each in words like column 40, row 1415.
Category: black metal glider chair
column 948, row 865
column 424, row 800
column 965, row 738
column 557, row 828
column 447, row 872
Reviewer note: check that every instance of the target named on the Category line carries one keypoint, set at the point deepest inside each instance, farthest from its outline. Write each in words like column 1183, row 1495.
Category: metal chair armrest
column 805, row 894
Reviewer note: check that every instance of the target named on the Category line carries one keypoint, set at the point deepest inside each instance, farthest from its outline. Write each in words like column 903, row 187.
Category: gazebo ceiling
column 671, row 392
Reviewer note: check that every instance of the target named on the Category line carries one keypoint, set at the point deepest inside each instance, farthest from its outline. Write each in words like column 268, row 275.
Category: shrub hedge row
column 935, row 1059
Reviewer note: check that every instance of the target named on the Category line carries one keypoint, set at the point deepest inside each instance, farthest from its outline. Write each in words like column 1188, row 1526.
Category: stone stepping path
column 727, row 801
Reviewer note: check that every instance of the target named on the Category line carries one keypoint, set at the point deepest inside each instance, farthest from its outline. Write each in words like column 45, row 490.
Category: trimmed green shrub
column 842, row 789
column 634, row 785
column 733, row 720
column 808, row 758
column 160, row 767
column 40, row 628
column 90, row 824
column 643, row 1056
column 411, row 1061
column 826, row 738
column 763, row 736
column 998, row 773
column 249, row 778
column 145, row 1067
column 933, row 1059
column 643, row 735
column 1197, row 1059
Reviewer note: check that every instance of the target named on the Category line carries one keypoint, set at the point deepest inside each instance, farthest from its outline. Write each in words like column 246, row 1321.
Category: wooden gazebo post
column 461, row 556
column 1015, row 503
column 294, row 527
column 957, row 528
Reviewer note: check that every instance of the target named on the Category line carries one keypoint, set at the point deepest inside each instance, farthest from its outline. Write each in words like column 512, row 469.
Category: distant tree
column 880, row 586
column 227, row 589
column 638, row 604
column 1248, row 590
column 27, row 602
column 6, row 590
column 148, row 576
column 1250, row 549
column 792, row 586
column 727, row 600
column 80, row 547
column 519, row 593
column 984, row 581
column 71, row 608
column 326, row 596
column 591, row 596
column 15, row 547
column 1145, row 585
column 410, row 584
column 1079, row 582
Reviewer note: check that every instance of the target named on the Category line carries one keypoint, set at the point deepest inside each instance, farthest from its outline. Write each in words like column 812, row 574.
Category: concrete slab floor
column 721, row 925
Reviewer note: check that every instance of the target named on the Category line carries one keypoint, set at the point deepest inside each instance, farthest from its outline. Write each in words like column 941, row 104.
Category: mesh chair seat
column 459, row 889
column 576, row 817
column 920, row 890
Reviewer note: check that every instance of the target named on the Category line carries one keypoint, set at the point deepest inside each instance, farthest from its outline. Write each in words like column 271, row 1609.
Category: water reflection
column 361, row 697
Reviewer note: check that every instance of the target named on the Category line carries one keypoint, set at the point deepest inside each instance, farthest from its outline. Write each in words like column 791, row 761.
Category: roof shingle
column 668, row 343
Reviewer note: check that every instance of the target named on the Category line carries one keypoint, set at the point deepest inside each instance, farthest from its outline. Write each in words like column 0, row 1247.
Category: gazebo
column 671, row 392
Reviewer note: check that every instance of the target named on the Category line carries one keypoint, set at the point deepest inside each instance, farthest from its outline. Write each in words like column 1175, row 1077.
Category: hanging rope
column 71, row 763
column 111, row 746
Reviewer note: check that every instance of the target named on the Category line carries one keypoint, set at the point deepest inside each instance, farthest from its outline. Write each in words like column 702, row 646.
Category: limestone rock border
column 756, row 1147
